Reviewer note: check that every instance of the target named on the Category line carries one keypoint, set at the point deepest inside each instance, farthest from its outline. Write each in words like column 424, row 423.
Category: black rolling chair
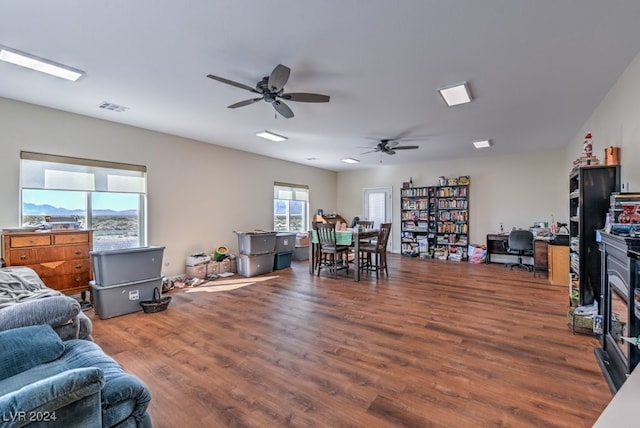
column 520, row 243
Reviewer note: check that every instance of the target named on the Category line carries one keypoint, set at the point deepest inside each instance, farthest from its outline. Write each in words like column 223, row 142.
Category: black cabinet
column 590, row 188
column 618, row 354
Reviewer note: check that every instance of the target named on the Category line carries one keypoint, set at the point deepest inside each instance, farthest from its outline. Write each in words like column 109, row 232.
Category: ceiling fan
column 389, row 146
column 271, row 90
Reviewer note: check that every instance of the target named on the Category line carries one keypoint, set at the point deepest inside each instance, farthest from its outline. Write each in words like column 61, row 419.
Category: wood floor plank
column 435, row 344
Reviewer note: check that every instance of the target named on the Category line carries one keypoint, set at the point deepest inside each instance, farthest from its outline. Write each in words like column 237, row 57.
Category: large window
column 290, row 207
column 107, row 197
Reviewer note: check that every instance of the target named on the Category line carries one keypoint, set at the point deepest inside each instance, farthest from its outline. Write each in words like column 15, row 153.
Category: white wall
column 516, row 190
column 198, row 193
column 616, row 122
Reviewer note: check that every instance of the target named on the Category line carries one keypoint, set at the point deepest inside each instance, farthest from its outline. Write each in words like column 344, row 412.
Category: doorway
column 377, row 204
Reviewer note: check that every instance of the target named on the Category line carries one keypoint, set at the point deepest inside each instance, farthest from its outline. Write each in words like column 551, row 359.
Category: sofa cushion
column 26, row 347
column 123, row 395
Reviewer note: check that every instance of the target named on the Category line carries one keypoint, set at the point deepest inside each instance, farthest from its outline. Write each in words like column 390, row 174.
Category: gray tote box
column 121, row 299
column 113, row 267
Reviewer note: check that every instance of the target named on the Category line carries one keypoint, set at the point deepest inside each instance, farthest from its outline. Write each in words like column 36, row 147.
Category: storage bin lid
column 127, row 250
column 254, row 232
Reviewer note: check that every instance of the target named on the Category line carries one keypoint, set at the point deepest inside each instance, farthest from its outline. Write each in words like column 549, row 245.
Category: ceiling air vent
column 113, row 107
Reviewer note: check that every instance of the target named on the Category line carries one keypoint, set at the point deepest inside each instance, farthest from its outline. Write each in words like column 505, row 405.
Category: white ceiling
column 536, row 68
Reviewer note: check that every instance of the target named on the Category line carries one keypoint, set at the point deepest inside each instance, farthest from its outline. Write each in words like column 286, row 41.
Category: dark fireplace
column 618, row 354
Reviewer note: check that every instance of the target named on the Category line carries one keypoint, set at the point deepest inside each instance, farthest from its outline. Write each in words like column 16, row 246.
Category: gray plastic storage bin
column 256, row 242
column 112, row 267
column 285, row 242
column 114, row 300
column 249, row 266
column 301, row 253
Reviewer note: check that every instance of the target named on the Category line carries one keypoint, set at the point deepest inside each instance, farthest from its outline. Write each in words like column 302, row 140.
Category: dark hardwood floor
column 436, row 344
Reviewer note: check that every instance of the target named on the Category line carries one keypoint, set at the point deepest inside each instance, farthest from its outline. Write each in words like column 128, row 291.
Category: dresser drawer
column 70, row 238
column 69, row 267
column 21, row 257
column 73, row 252
column 29, row 241
column 69, row 283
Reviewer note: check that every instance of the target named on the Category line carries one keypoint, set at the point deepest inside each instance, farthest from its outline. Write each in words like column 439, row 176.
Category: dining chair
column 374, row 255
column 366, row 224
column 332, row 255
column 316, row 245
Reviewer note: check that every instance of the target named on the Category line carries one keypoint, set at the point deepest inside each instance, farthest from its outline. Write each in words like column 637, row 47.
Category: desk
column 496, row 244
column 344, row 237
column 540, row 255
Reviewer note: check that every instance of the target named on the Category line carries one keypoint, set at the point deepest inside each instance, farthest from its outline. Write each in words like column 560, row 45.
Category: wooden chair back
column 326, row 233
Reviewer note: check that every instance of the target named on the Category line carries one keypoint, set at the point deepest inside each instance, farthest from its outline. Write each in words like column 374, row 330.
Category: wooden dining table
column 351, row 238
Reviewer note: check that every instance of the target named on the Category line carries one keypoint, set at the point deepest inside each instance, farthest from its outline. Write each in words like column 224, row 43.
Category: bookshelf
column 452, row 221
column 417, row 220
column 435, row 220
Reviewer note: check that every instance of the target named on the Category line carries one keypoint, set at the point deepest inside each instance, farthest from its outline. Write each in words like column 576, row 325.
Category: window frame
column 101, row 176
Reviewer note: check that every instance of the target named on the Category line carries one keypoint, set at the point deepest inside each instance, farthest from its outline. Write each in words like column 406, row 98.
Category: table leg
column 356, row 260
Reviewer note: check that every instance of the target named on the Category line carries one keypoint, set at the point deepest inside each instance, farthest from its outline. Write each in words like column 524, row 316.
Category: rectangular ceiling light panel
column 271, row 136
column 350, row 160
column 39, row 64
column 482, row 144
column 456, row 94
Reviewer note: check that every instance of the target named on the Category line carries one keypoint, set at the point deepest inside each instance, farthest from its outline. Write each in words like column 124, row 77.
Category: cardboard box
column 212, row 268
column 121, row 299
column 302, row 239
column 199, row 271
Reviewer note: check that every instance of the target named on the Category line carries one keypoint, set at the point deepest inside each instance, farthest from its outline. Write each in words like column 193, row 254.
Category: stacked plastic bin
column 257, row 249
column 124, row 278
column 285, row 244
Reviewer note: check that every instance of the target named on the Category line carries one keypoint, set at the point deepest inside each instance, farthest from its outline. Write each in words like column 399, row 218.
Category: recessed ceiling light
column 350, row 160
column 456, row 94
column 271, row 136
column 39, row 64
column 312, row 159
column 482, row 144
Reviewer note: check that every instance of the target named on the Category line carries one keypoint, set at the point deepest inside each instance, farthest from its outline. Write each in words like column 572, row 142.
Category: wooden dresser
column 61, row 258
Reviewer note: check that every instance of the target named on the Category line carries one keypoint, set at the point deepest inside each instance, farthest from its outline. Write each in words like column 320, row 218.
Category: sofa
column 51, row 369
column 45, row 381
column 25, row 300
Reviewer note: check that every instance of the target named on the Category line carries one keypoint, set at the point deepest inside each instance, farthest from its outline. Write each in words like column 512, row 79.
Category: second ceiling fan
column 271, row 90
column 389, row 147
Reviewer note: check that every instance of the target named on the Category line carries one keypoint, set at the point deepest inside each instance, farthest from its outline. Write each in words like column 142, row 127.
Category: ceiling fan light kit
column 456, row 94
column 271, row 89
column 389, row 146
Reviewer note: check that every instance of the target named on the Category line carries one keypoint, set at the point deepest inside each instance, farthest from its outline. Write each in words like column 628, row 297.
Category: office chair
column 520, row 243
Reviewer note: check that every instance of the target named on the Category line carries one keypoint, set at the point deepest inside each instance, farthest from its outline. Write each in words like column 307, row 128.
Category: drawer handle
column 78, row 279
column 78, row 266
column 23, row 257
column 78, row 252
